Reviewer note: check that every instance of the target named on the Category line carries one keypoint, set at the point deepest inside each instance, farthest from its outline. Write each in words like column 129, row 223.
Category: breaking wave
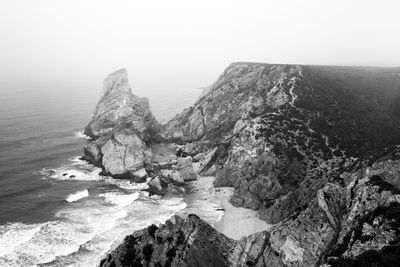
column 78, row 195
column 80, row 134
column 81, row 235
column 120, row 199
column 85, row 227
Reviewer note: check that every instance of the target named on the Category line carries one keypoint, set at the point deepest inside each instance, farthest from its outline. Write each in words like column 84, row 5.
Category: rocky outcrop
column 178, row 242
column 158, row 186
column 276, row 128
column 119, row 108
column 352, row 220
column 121, row 126
column 184, row 171
column 292, row 142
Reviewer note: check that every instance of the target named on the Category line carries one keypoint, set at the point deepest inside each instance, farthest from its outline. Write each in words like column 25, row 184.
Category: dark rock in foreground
column 178, row 242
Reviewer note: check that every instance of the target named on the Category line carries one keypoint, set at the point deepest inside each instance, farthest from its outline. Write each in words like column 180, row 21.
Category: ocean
column 55, row 209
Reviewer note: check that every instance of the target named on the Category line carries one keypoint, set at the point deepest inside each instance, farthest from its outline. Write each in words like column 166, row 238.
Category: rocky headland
column 313, row 149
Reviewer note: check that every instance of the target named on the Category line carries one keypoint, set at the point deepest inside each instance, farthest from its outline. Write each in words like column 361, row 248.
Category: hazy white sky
column 171, row 45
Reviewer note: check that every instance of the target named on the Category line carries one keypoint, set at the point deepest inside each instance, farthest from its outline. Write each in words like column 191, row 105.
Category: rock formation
column 353, row 220
column 121, row 126
column 312, row 148
column 277, row 127
column 178, row 242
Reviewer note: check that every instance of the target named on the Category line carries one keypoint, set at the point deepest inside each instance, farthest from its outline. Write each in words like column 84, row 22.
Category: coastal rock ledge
column 121, row 126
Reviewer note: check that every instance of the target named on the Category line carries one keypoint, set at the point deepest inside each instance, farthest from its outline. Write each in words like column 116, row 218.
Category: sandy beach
column 237, row 222
column 212, row 205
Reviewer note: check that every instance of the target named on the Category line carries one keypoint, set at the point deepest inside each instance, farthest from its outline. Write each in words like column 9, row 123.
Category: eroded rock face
column 122, row 123
column 277, row 128
column 119, row 108
column 352, row 220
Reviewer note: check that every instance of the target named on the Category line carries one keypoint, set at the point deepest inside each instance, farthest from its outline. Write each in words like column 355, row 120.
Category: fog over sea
column 55, row 210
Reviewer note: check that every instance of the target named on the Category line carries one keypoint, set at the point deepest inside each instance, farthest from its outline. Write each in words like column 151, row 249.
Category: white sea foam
column 78, row 161
column 80, row 134
column 78, row 195
column 14, row 234
column 77, row 170
column 43, row 244
column 126, row 184
column 28, row 245
column 120, row 199
column 81, row 235
column 139, row 216
column 72, row 173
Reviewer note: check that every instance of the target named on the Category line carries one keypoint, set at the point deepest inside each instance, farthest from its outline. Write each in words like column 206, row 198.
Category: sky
column 174, row 45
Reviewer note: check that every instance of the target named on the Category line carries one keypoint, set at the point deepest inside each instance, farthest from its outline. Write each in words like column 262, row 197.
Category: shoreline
column 212, row 205
column 200, row 198
column 237, row 222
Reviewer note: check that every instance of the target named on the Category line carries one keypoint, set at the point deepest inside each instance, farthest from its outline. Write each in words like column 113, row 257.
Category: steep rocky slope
column 312, row 148
column 278, row 127
column 121, row 126
column 353, row 220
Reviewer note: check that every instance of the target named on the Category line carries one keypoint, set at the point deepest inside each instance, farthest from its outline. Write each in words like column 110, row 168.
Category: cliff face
column 347, row 104
column 312, row 148
column 121, row 125
column 278, row 127
column 353, row 220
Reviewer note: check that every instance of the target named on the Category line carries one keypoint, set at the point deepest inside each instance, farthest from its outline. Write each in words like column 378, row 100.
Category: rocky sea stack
column 314, row 149
column 121, row 126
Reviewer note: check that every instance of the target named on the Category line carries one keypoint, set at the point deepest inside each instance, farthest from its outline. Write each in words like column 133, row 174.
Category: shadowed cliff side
column 121, row 126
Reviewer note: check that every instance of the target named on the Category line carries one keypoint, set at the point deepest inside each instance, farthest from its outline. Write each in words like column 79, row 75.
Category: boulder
column 182, row 171
column 177, row 178
column 157, row 186
column 199, row 157
column 185, row 169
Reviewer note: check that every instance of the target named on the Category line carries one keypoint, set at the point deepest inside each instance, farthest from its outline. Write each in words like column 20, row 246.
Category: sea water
column 55, row 209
